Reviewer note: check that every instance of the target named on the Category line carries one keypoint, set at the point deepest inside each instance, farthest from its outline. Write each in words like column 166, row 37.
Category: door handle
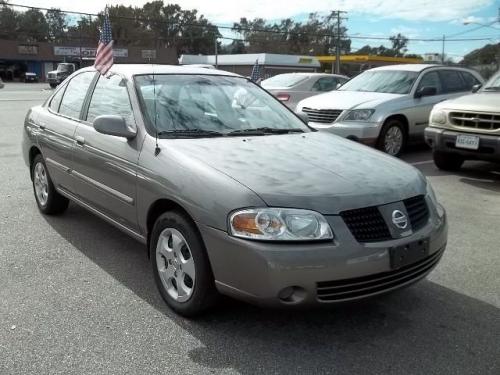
column 80, row 140
column 42, row 126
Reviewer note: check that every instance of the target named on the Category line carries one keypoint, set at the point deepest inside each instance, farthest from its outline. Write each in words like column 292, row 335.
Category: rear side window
column 325, row 84
column 452, row 81
column 75, row 93
column 469, row 80
column 431, row 79
column 56, row 100
column 110, row 97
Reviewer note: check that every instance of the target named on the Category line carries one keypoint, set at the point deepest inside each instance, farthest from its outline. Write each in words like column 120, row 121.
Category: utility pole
column 337, row 43
column 442, row 50
column 216, row 52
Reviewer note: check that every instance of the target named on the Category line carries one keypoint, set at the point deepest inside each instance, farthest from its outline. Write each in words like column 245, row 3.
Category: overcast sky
column 415, row 18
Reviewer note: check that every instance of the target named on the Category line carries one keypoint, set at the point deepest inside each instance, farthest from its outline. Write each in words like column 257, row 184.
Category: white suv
column 387, row 106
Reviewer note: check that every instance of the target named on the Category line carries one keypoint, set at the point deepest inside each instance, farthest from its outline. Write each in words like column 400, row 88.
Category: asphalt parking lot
column 77, row 296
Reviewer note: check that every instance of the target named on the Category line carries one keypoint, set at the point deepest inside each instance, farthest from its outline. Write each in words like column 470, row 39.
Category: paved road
column 77, row 296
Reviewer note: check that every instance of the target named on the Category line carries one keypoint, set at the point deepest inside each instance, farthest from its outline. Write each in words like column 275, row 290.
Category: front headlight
column 359, row 115
column 438, row 117
column 432, row 195
column 280, row 224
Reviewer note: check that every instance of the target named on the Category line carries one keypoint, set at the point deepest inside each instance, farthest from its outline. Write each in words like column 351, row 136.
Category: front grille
column 323, row 116
column 366, row 224
column 481, row 121
column 417, row 210
column 52, row 75
column 346, row 289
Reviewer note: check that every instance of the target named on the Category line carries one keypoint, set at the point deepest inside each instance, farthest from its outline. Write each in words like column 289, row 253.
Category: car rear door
column 57, row 128
column 105, row 166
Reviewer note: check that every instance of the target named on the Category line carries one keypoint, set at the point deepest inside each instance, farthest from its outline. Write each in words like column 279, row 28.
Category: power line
column 239, row 29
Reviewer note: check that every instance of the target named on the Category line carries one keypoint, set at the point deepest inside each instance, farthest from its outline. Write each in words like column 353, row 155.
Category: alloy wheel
column 175, row 264
column 41, row 183
column 393, row 140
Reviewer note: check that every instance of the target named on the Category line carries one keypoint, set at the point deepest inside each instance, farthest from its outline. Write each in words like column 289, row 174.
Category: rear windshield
column 283, row 80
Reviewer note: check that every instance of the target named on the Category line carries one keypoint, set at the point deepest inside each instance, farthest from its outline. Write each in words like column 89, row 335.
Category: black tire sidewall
column 447, row 161
column 204, row 293
column 381, row 140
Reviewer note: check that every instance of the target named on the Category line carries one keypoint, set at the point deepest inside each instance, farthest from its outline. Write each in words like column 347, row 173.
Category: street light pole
column 337, row 52
column 216, row 52
column 442, row 50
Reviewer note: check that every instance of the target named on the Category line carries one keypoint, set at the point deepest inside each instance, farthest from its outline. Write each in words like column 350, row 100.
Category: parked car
column 291, row 88
column 388, row 106
column 30, row 77
column 467, row 128
column 63, row 71
column 231, row 192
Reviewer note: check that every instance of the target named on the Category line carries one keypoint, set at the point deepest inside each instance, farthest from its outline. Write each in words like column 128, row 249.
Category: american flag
column 104, row 54
column 255, row 76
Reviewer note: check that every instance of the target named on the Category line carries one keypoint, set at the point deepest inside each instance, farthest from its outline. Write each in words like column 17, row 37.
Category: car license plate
column 470, row 142
column 409, row 253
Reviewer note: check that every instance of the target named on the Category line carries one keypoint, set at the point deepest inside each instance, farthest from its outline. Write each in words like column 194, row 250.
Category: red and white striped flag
column 104, row 54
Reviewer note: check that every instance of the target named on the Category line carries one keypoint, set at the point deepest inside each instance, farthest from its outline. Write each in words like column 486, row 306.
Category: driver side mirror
column 114, row 125
column 425, row 91
column 476, row 88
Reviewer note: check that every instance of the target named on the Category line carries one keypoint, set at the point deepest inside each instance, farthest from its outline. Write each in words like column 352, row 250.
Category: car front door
column 418, row 113
column 57, row 129
column 105, row 166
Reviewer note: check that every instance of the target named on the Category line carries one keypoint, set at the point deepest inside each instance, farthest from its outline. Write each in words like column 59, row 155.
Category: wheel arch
column 159, row 207
column 32, row 153
column 402, row 118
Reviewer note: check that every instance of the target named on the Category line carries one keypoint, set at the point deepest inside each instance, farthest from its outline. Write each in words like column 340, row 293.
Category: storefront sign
column 148, row 54
column 86, row 51
column 27, row 50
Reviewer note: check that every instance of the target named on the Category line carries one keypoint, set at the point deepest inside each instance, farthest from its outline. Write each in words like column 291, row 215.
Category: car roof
column 408, row 67
column 130, row 70
column 314, row 74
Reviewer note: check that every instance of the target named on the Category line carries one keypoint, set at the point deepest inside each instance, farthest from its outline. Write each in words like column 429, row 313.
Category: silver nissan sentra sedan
column 231, row 192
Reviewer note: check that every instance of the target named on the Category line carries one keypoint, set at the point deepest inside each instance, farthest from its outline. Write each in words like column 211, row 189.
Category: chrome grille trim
column 323, row 116
column 472, row 120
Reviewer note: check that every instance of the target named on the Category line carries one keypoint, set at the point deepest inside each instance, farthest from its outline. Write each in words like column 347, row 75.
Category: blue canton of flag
column 255, row 76
column 104, row 54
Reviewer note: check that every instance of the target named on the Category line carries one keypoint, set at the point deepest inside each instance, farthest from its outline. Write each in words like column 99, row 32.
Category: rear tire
column 447, row 161
column 48, row 200
column 180, row 264
column 392, row 138
column 53, row 85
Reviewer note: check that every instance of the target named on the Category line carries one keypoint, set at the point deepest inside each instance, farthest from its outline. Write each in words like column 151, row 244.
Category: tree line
column 157, row 24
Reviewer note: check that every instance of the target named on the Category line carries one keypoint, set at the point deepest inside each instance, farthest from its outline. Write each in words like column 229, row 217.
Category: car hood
column 340, row 99
column 480, row 102
column 316, row 171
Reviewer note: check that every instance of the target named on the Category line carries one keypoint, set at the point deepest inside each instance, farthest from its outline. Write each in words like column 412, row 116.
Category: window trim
column 49, row 101
column 86, row 106
column 64, row 93
column 417, row 87
column 458, row 71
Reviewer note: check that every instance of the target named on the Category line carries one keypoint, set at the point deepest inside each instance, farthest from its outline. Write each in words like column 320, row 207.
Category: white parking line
column 422, row 162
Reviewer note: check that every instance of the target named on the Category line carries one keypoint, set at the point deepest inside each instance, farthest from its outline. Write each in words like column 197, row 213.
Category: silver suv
column 387, row 106
column 230, row 190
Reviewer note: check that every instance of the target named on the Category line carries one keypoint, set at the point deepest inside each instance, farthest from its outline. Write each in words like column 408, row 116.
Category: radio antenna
column 157, row 148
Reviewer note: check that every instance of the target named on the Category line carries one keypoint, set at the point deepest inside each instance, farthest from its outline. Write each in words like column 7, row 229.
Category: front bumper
column 260, row 272
column 54, row 80
column 443, row 140
column 364, row 132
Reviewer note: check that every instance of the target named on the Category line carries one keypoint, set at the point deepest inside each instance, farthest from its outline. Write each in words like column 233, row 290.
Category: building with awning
column 354, row 64
column 270, row 63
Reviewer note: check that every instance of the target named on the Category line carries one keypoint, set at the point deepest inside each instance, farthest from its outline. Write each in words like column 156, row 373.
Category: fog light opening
column 292, row 294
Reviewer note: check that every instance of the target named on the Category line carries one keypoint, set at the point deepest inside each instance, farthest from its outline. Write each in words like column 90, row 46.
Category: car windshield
column 493, row 84
column 385, row 81
column 208, row 105
column 284, row 80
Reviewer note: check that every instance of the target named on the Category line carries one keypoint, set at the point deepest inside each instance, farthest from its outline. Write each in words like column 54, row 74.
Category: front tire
column 53, row 85
column 392, row 138
column 447, row 161
column 180, row 264
column 48, row 200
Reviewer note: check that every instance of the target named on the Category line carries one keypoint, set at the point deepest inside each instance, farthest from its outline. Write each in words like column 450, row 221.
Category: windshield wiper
column 492, row 88
column 188, row 133
column 263, row 131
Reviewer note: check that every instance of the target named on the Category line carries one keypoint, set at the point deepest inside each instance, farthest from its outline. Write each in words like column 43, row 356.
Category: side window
column 452, row 81
column 56, row 100
column 431, row 79
column 110, row 97
column 325, row 84
column 75, row 93
column 469, row 80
